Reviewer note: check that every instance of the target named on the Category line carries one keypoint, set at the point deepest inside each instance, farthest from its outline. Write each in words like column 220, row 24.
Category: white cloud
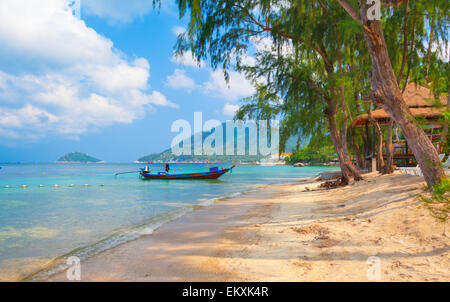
column 441, row 48
column 66, row 79
column 158, row 98
column 187, row 59
column 230, row 110
column 178, row 30
column 238, row 86
column 179, row 79
column 262, row 43
column 248, row 60
column 49, row 32
column 119, row 77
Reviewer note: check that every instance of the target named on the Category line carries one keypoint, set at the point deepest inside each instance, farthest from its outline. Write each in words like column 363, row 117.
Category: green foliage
column 168, row 156
column 439, row 201
column 418, row 21
column 446, row 114
column 319, row 150
column 315, row 50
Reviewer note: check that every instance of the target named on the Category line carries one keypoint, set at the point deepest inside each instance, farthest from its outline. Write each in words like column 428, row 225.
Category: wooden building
column 424, row 106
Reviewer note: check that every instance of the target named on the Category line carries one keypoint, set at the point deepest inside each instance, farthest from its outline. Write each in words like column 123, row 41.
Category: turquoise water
column 42, row 222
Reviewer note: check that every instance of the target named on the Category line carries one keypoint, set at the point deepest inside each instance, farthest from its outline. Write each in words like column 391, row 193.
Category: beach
column 90, row 210
column 291, row 232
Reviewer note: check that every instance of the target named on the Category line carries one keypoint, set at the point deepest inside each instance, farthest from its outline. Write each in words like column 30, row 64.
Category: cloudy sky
column 106, row 83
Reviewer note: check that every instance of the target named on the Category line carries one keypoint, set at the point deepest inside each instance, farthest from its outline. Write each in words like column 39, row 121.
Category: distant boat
column 213, row 173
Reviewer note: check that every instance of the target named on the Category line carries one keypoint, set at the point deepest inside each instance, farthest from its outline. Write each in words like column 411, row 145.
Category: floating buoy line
column 52, row 186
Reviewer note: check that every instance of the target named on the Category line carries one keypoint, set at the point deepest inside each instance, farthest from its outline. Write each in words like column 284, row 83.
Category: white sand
column 286, row 234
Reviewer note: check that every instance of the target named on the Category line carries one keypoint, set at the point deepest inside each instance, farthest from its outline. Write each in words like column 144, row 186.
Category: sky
column 102, row 79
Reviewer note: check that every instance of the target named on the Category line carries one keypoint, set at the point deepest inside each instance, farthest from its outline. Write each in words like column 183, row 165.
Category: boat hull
column 200, row 175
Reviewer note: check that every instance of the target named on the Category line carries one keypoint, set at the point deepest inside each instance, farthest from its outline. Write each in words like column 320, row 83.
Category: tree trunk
column 386, row 93
column 413, row 35
column 357, row 151
column 405, row 44
column 389, row 166
column 348, row 162
column 334, row 134
column 430, row 47
column 366, row 141
column 345, row 163
column 356, row 148
column 380, row 160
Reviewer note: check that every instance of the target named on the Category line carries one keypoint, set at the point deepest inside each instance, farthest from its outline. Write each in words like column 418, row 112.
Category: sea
column 49, row 212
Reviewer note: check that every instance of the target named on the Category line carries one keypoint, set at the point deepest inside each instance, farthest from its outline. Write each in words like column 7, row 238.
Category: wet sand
column 291, row 233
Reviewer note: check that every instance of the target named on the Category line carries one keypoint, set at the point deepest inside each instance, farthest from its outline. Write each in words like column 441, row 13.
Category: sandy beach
column 291, row 233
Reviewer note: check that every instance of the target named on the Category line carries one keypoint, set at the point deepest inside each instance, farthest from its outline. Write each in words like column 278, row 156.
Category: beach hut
column 420, row 101
column 424, row 106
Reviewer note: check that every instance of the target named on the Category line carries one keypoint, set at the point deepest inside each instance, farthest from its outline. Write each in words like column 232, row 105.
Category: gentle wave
column 58, row 265
column 147, row 228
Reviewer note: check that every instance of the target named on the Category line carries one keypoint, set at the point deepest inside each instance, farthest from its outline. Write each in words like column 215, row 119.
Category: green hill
column 78, row 157
column 167, row 156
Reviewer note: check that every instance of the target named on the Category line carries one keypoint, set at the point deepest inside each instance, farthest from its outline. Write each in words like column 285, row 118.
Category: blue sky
column 107, row 84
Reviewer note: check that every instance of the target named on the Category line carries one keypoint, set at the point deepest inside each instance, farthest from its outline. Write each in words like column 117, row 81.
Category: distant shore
column 291, row 233
column 79, row 162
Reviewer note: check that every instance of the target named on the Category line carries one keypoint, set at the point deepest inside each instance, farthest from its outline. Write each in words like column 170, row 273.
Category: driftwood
column 333, row 184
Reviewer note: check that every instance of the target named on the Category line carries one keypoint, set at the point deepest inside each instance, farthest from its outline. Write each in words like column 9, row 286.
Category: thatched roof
column 418, row 96
column 419, row 100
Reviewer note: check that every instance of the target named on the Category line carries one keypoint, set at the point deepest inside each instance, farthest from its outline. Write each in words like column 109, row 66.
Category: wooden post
column 373, row 165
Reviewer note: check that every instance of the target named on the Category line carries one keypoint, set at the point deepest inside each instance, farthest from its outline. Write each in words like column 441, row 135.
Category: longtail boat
column 212, row 173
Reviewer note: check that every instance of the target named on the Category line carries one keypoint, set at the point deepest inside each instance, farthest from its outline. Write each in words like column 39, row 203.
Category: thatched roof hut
column 420, row 100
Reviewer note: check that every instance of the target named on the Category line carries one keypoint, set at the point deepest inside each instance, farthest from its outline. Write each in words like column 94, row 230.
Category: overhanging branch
column 392, row 2
column 350, row 10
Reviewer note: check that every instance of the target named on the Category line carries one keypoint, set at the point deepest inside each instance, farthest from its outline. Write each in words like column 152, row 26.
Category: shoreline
column 203, row 211
column 285, row 233
column 58, row 265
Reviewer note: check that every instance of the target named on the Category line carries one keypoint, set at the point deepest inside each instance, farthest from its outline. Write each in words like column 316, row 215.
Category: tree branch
column 405, row 44
column 350, row 10
column 354, row 14
column 313, row 85
column 321, row 52
column 387, row 3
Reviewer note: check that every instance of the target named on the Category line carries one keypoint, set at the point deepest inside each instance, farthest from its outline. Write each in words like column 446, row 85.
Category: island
column 168, row 156
column 79, row 158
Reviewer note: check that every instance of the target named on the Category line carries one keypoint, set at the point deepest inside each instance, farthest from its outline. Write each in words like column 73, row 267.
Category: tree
column 387, row 94
column 223, row 31
column 413, row 50
column 319, row 150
